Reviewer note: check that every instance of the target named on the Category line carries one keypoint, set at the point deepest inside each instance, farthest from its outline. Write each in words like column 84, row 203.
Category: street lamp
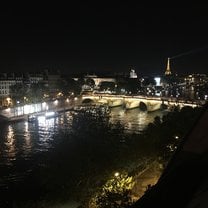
column 116, row 174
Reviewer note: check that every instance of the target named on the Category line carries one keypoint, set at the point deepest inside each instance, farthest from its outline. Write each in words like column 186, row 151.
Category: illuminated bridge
column 143, row 102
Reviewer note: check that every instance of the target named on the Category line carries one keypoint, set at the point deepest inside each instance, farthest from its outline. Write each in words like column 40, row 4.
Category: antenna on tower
column 168, row 71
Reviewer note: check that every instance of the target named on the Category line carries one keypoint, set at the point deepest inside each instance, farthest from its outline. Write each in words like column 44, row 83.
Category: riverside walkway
column 184, row 182
column 22, row 112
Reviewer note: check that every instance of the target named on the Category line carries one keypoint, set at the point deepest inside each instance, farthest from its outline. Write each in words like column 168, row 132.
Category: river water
column 22, row 143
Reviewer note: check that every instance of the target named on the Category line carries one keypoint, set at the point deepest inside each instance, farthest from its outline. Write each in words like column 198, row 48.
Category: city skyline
column 104, row 38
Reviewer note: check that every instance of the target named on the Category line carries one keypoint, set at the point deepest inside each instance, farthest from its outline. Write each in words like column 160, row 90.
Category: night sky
column 103, row 38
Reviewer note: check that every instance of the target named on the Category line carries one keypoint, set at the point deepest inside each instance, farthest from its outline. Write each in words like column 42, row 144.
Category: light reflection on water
column 10, row 144
column 22, row 142
column 134, row 120
column 27, row 145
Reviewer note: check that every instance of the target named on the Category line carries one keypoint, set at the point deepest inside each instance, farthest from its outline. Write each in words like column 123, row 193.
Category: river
column 22, row 143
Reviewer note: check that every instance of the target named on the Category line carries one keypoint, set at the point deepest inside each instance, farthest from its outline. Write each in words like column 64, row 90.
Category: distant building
column 5, row 87
column 35, row 78
column 91, row 76
column 157, row 81
column 133, row 74
column 6, row 81
column 196, row 79
column 97, row 80
column 9, row 79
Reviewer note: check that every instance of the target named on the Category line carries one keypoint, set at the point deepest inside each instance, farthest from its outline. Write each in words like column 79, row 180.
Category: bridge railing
column 165, row 99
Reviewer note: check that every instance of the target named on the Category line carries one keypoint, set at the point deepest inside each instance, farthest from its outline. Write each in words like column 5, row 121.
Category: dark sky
column 103, row 37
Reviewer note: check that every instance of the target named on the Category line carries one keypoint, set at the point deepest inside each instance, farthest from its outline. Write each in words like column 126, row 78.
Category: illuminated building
column 133, row 74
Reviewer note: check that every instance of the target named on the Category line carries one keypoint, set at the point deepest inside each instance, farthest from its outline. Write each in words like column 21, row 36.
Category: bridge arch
column 143, row 106
column 164, row 106
column 87, row 101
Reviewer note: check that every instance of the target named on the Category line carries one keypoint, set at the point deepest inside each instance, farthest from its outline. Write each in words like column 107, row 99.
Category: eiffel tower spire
column 168, row 72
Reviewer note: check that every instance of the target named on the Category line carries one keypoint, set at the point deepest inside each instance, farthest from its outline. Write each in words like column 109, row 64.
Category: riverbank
column 20, row 113
column 146, row 179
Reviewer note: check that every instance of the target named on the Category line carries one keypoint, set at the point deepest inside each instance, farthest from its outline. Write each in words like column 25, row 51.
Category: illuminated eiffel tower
column 167, row 71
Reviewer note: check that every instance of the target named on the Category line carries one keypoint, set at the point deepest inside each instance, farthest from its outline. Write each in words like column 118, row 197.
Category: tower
column 167, row 71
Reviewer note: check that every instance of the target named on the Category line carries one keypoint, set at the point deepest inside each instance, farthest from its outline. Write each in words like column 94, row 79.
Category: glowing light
column 157, row 80
column 55, row 102
column 75, row 98
column 10, row 134
column 46, row 122
column 9, row 100
column 10, row 144
column 44, row 104
column 28, row 143
column 26, row 109
column 8, row 109
column 47, row 114
column 60, row 94
column 41, row 119
column 116, row 174
column 67, row 100
column 45, row 95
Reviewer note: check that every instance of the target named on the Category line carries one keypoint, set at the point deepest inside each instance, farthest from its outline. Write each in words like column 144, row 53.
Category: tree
column 18, row 92
column 115, row 193
column 90, row 82
column 133, row 86
column 148, row 81
column 36, row 92
column 69, row 85
column 107, row 86
column 122, row 86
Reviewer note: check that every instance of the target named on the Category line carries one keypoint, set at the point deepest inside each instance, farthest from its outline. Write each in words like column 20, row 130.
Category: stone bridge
column 142, row 102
